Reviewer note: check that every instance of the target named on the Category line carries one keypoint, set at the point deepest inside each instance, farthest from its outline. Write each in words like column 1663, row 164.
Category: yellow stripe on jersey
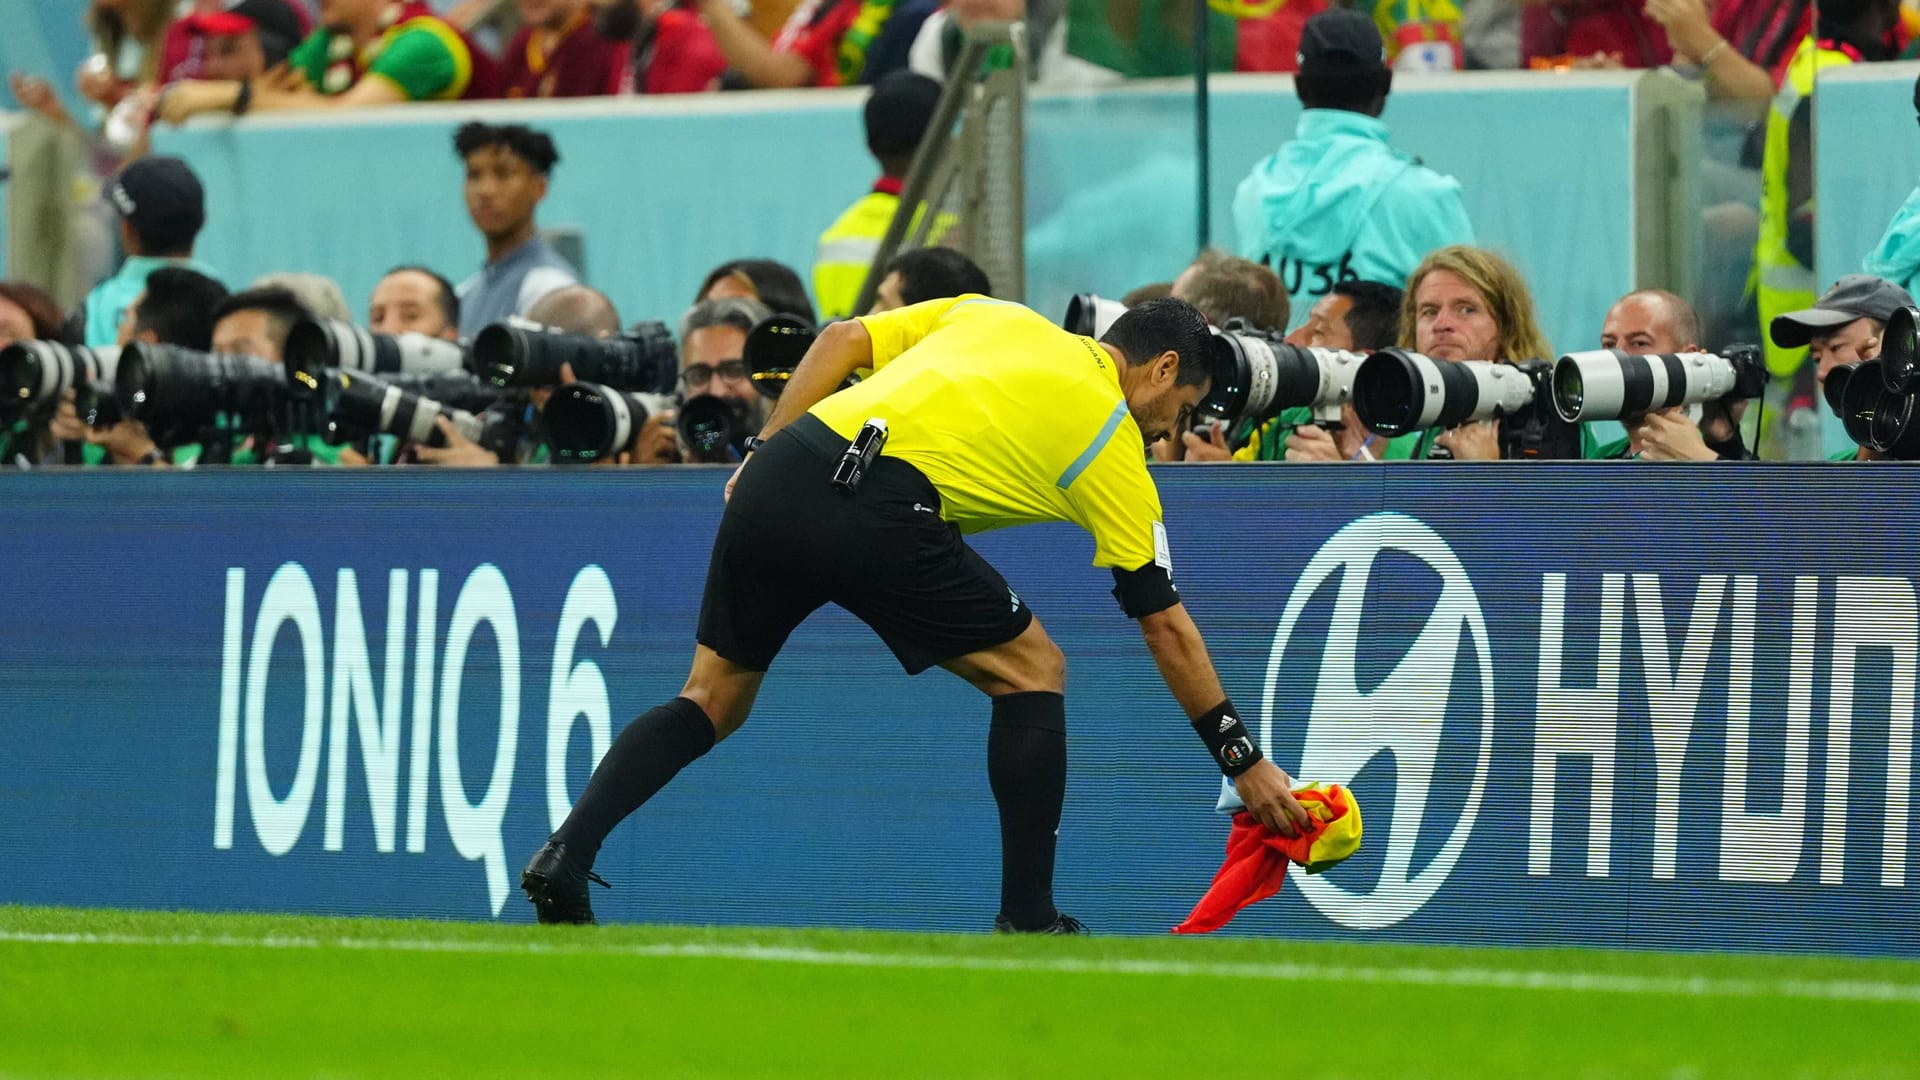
column 1013, row 419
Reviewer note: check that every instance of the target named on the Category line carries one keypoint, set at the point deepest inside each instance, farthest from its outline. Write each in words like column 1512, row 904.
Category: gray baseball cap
column 1856, row 296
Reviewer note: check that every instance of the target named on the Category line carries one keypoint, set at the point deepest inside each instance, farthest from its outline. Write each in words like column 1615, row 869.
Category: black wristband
column 1227, row 739
column 243, row 98
column 753, row 443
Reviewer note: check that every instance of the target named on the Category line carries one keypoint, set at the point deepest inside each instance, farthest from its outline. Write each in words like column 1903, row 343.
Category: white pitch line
column 1466, row 978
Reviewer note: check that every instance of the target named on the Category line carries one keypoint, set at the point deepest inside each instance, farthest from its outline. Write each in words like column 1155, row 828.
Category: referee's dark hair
column 1373, row 317
column 936, row 273
column 533, row 147
column 1158, row 326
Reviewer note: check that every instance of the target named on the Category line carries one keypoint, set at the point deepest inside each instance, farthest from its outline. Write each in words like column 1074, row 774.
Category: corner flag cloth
column 1257, row 857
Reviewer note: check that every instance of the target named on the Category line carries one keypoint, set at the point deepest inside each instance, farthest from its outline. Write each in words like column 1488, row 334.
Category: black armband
column 1145, row 591
column 1227, row 738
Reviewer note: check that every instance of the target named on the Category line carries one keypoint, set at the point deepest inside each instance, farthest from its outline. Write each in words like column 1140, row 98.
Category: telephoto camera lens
column 1607, row 384
column 643, row 360
column 774, row 348
column 168, row 387
column 358, row 406
column 1257, row 375
column 1396, row 392
column 587, row 422
column 710, row 429
column 1900, row 352
column 313, row 344
column 33, row 374
column 1090, row 315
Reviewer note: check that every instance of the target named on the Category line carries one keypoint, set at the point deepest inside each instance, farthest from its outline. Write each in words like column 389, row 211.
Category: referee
column 993, row 417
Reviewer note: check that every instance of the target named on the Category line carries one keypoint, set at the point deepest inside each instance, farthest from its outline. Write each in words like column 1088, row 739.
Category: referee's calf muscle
column 1030, row 663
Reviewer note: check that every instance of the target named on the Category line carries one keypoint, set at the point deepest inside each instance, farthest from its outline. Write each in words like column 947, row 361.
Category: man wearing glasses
column 712, row 334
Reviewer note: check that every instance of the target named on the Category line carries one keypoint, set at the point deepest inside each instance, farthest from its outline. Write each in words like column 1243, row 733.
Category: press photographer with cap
column 162, row 208
column 1337, row 203
column 1843, row 326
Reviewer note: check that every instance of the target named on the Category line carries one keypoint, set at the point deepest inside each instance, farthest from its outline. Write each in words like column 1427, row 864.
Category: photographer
column 1651, row 322
column 1467, row 303
column 414, row 299
column 176, row 308
column 1358, row 316
column 570, row 309
column 29, row 314
column 1228, row 287
column 1845, row 325
column 713, row 336
column 933, row 273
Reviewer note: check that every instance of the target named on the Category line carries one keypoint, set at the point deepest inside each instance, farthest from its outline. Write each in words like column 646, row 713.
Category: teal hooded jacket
column 1339, row 204
column 1897, row 259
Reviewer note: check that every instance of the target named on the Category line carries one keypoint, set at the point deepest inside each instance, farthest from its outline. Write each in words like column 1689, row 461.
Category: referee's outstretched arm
column 1182, row 657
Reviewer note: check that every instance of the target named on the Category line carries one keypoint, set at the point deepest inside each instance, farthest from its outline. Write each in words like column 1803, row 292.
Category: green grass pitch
column 98, row 993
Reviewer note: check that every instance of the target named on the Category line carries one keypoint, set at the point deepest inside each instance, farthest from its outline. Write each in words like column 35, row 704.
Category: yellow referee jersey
column 1013, row 419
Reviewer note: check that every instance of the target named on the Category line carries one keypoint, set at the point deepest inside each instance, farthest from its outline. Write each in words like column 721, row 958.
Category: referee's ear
column 1163, row 370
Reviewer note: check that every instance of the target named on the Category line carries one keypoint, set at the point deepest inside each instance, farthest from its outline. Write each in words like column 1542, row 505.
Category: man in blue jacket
column 1337, row 203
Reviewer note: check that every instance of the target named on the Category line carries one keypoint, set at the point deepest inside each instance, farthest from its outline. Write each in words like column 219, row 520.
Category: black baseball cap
column 899, row 110
column 162, row 199
column 1856, row 296
column 1341, row 41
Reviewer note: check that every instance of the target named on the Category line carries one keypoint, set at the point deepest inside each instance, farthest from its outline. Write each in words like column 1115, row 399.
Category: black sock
column 657, row 745
column 1027, row 766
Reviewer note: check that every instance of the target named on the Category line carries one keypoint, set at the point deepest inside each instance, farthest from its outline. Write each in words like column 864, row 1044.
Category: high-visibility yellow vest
column 1781, row 282
column 846, row 251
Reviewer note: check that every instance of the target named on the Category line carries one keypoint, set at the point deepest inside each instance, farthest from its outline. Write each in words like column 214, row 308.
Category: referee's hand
column 1268, row 793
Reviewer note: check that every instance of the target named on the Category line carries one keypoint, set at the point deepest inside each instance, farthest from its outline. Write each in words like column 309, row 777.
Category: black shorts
column 790, row 542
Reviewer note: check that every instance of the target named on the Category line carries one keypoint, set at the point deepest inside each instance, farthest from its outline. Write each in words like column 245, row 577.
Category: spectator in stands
column 255, row 322
column 128, row 38
column 825, row 42
column 1467, row 303
column 162, row 208
column 558, row 53
column 1228, row 287
column 175, row 307
column 243, row 41
column 712, row 336
column 936, row 47
column 1848, row 31
column 928, row 274
column 319, row 294
column 414, row 299
column 1606, row 33
column 897, row 114
column 27, row 313
column 410, row 54
column 1358, row 316
column 665, row 48
column 1651, row 322
column 507, row 170
column 1735, row 44
column 1337, row 203
column 772, row 283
